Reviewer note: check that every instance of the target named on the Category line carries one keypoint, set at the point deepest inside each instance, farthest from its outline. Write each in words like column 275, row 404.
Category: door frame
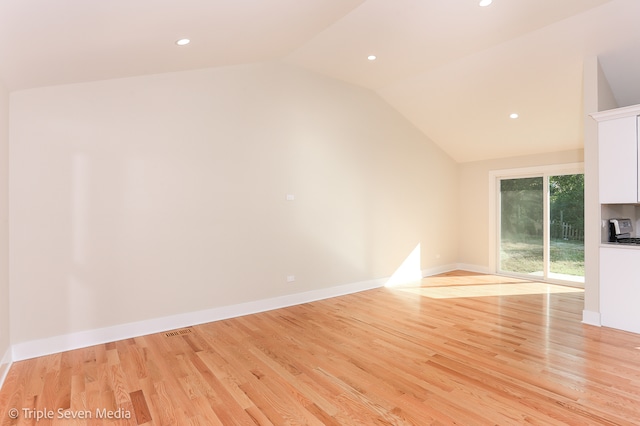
column 494, row 211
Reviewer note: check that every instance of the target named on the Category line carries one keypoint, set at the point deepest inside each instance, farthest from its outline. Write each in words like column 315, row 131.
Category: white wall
column 145, row 197
column 597, row 97
column 474, row 202
column 4, row 232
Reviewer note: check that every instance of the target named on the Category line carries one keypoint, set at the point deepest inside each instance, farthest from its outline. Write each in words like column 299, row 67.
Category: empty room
column 354, row 212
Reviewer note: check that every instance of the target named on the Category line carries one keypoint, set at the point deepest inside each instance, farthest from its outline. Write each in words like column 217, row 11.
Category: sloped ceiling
column 454, row 69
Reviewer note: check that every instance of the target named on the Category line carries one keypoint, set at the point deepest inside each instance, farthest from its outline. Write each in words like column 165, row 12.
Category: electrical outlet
column 291, row 278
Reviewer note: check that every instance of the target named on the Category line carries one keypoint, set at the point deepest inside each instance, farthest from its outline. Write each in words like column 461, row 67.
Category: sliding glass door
column 521, row 226
column 566, row 227
column 541, row 226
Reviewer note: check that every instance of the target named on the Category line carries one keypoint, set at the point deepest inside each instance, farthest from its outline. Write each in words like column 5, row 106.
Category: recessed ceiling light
column 514, row 115
column 371, row 57
column 484, row 3
column 183, row 42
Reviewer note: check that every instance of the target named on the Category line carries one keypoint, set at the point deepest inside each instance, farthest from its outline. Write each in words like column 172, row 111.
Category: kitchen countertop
column 621, row 246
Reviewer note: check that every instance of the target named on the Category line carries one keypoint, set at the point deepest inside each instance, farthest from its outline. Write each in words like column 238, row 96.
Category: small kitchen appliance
column 620, row 231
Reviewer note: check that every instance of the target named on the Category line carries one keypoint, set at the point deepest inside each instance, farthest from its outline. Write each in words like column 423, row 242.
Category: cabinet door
column 618, row 160
column 620, row 289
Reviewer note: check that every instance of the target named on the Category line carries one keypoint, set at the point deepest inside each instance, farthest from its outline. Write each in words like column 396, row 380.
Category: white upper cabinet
column 618, row 155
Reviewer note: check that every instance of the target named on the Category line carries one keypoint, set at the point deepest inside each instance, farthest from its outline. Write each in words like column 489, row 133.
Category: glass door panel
column 521, row 226
column 566, row 227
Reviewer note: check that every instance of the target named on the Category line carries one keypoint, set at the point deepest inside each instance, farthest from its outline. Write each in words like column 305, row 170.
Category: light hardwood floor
column 462, row 349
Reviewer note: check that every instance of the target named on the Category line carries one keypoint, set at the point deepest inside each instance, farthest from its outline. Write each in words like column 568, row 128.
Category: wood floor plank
column 140, row 407
column 462, row 348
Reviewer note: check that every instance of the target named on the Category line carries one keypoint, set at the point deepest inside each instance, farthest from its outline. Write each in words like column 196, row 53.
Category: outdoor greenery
column 521, row 209
column 522, row 220
column 566, row 196
column 566, row 257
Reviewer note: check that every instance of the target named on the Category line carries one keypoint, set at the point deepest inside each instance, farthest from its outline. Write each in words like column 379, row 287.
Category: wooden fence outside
column 565, row 231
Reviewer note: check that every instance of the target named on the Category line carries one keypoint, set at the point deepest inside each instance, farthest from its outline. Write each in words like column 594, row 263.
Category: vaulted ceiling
column 454, row 69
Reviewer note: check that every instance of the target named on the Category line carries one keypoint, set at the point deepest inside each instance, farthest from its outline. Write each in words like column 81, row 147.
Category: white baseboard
column 439, row 270
column 41, row 347
column 455, row 267
column 82, row 339
column 5, row 365
column 591, row 318
column 474, row 268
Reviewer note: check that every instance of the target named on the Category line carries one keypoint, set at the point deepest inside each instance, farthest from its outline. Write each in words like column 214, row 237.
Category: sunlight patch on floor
column 484, row 290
